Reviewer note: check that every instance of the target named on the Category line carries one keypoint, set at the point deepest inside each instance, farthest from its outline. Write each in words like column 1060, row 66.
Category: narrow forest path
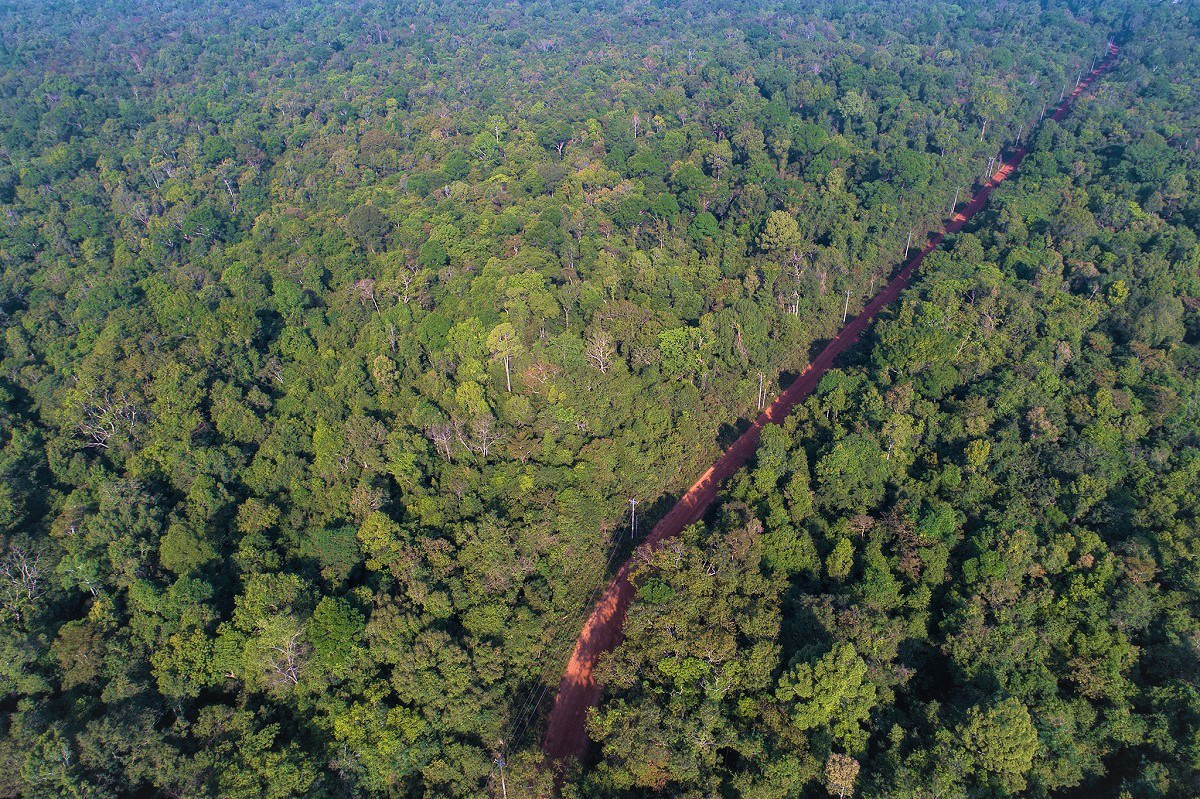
column 566, row 734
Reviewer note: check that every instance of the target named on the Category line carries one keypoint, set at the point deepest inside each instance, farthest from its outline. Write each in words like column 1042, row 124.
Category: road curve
column 566, row 733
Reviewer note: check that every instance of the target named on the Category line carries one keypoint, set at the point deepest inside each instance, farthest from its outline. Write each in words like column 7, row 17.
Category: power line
column 530, row 706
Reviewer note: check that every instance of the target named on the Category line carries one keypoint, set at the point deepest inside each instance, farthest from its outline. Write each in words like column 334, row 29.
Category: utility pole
column 908, row 244
column 632, row 518
column 846, row 310
column 761, row 398
column 1020, row 130
column 499, row 763
column 954, row 204
column 1042, row 115
column 1062, row 94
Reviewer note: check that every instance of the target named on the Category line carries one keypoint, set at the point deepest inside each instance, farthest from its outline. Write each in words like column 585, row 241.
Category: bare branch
column 104, row 416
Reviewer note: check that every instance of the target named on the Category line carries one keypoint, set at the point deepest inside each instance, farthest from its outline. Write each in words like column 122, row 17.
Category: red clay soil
column 566, row 735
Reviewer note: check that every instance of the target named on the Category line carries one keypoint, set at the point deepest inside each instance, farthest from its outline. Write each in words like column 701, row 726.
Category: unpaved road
column 566, row 733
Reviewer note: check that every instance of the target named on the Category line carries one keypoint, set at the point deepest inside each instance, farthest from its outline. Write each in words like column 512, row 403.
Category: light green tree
column 780, row 235
column 833, row 693
column 840, row 560
column 1002, row 740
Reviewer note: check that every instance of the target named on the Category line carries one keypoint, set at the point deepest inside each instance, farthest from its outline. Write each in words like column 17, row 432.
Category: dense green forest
column 337, row 337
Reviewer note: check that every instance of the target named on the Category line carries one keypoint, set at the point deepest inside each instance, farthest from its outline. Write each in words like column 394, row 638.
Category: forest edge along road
column 566, row 733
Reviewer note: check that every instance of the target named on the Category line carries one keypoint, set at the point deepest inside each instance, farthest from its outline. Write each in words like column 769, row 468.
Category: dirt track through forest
column 566, row 735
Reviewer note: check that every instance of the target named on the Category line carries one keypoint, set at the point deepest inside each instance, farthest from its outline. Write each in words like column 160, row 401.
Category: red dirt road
column 566, row 735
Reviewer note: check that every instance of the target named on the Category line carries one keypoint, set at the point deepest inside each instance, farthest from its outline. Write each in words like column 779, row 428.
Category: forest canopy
column 338, row 336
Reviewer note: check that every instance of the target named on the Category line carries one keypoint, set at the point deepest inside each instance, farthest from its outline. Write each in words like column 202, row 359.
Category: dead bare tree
column 104, row 416
column 599, row 350
column 20, row 578
column 442, row 436
column 408, row 279
column 484, row 435
column 284, row 660
column 232, row 195
column 364, row 291
column 272, row 370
